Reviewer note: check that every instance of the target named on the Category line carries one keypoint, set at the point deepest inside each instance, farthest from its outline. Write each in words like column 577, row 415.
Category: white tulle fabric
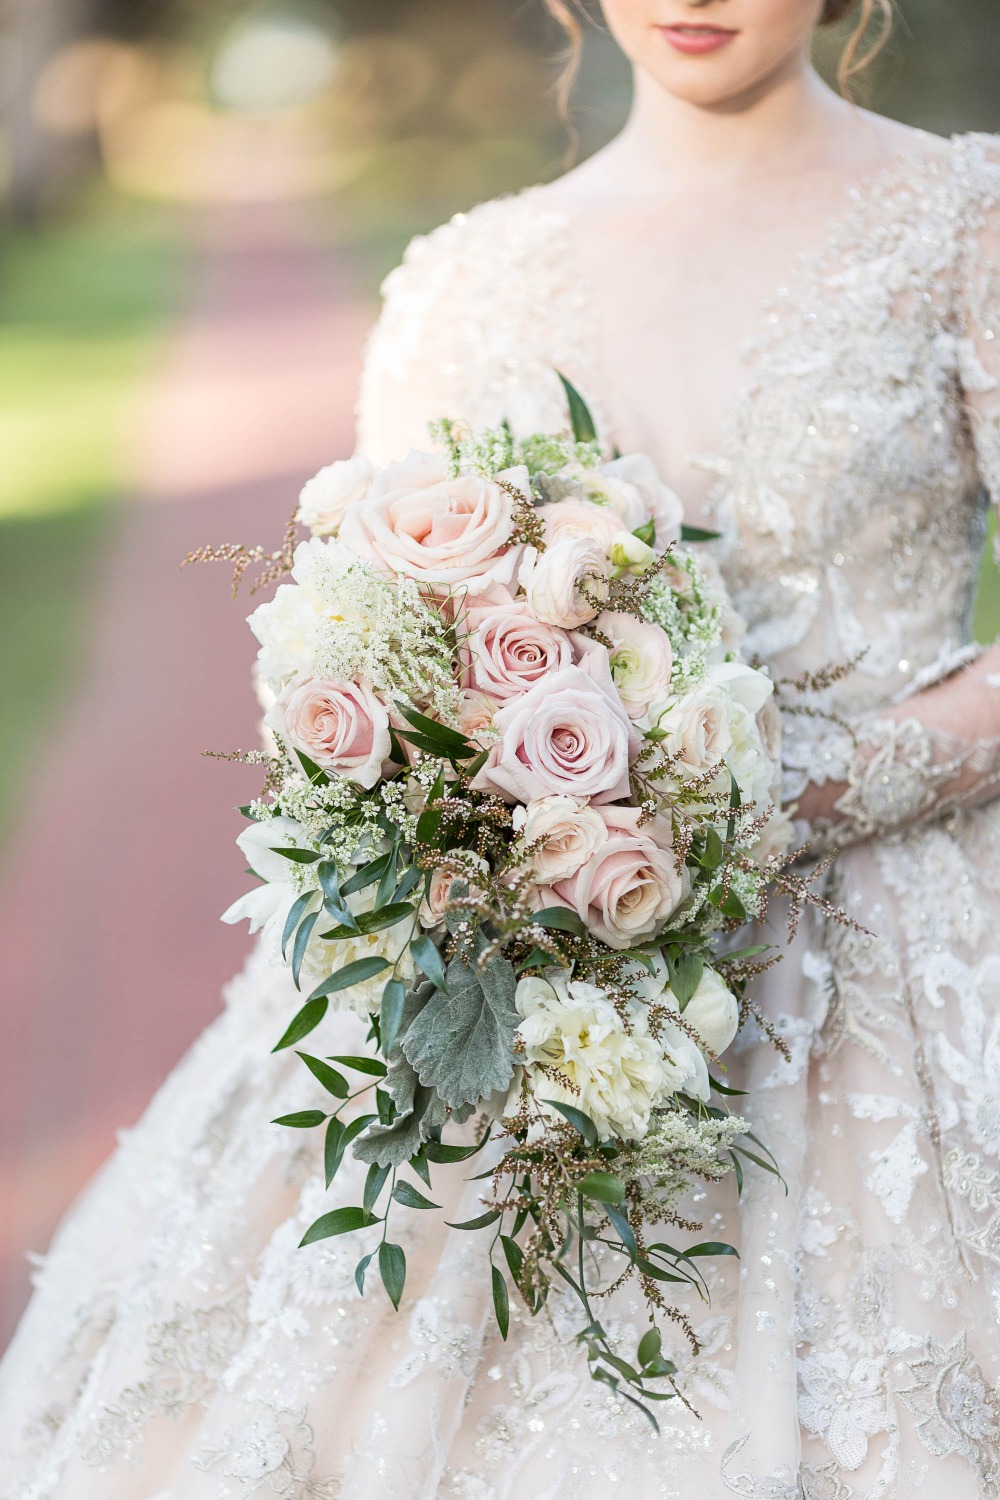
column 180, row 1348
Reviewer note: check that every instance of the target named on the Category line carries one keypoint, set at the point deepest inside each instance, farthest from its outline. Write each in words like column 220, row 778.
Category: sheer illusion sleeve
column 937, row 749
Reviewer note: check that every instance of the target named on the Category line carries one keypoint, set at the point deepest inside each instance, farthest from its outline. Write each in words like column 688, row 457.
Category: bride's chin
column 714, row 82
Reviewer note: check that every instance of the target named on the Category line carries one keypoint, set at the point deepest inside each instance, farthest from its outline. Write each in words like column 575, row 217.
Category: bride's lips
column 697, row 39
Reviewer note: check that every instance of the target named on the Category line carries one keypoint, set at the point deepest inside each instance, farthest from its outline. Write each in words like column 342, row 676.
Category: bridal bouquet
column 519, row 783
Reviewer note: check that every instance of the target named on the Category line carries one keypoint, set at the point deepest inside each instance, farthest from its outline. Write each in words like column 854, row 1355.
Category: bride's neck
column 671, row 141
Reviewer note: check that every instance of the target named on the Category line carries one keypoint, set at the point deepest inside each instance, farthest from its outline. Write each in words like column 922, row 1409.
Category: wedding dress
column 179, row 1346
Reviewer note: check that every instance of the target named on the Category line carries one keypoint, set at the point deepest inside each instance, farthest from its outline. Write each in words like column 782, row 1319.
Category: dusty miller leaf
column 461, row 1043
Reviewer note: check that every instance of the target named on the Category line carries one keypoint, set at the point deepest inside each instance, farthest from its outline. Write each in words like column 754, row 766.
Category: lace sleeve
column 978, row 303
column 474, row 324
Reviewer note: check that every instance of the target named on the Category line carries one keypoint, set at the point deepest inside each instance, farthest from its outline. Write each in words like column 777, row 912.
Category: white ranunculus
column 566, row 584
column 616, row 1076
column 636, row 474
column 567, row 831
column 641, row 659
column 327, row 495
column 745, row 685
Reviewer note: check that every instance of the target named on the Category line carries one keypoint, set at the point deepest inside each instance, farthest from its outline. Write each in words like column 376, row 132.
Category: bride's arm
column 938, row 749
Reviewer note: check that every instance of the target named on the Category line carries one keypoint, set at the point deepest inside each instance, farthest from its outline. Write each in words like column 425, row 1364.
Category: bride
column 793, row 306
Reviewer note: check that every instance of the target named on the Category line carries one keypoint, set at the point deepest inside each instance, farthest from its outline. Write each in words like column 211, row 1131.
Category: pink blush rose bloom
column 342, row 726
column 421, row 523
column 629, row 886
column 509, row 651
column 569, row 734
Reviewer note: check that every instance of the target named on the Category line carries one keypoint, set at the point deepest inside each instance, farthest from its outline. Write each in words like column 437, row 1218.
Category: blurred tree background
column 122, row 120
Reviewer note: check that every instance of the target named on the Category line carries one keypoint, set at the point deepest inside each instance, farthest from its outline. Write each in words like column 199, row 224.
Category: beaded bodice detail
column 852, row 462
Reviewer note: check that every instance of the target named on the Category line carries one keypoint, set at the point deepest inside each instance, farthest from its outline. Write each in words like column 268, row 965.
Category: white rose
column 568, row 583
column 641, row 659
column 777, row 837
column 635, row 489
column 714, row 1013
column 568, row 832
column 327, row 495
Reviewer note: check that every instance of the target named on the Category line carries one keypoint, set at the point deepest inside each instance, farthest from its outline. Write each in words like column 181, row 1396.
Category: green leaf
column 370, row 921
column 461, row 1044
column 408, row 883
column 293, row 919
column 355, row 973
column 713, row 1247
column 698, row 534
column 619, row 1219
column 371, row 1065
column 501, row 1301
column 340, row 1221
column 317, row 776
column 580, row 419
column 646, row 533
column 392, row 1268
column 738, row 1171
column 334, row 1083
column 307, row 1020
column 426, row 953
column 391, row 1014
column 430, row 819
column 482, row 1222
column 514, row 1256
column 723, row 1088
column 448, row 739
column 333, row 1148
column 656, row 1274
column 437, row 1151
column 303, row 1119
column 360, row 1269
column 602, row 1186
column 650, row 1346
column 367, row 875
column 576, row 1117
column 301, row 944
column 728, row 903
column 387, row 884
column 385, row 1104
column 406, row 1194
column 421, row 1166
column 560, row 919
column 686, row 972
column 299, row 856
column 374, row 1183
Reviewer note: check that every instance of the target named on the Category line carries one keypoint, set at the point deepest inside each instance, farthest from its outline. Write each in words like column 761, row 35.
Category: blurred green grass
column 82, row 305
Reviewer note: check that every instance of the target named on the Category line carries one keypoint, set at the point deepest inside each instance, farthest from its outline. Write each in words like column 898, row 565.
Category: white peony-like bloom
column 327, row 495
column 617, row 1076
column 287, row 628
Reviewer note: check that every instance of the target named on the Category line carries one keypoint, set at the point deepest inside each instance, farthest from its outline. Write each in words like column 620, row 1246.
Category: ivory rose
column 695, row 730
column 568, row 583
column 633, row 486
column 510, row 650
column 713, row 1012
column 327, row 495
column 567, row 832
column 422, row 523
column 568, row 734
column 342, row 726
column 641, row 659
column 629, row 886
column 475, row 713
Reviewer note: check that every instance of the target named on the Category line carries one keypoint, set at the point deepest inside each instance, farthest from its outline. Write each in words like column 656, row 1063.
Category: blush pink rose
column 342, row 726
column 566, row 735
column 509, row 651
column 421, row 523
column 629, row 886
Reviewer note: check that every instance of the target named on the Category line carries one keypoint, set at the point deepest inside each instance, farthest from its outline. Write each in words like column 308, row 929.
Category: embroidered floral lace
column 179, row 1347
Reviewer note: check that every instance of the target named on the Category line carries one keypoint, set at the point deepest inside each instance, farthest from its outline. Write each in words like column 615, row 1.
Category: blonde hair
column 874, row 15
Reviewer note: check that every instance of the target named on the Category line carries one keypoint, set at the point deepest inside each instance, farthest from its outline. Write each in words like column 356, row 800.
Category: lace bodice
column 853, row 458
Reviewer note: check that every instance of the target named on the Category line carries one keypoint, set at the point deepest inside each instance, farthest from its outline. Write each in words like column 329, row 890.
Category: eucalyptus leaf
column 302, row 1119
column 350, row 974
column 335, row 1083
column 301, row 944
column 392, row 1268
column 410, row 1197
column 501, row 1301
column 294, row 917
column 581, row 421
column 307, row 1020
column 340, row 1221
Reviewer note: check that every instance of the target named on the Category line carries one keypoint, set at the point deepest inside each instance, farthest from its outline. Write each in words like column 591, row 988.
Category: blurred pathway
column 113, row 954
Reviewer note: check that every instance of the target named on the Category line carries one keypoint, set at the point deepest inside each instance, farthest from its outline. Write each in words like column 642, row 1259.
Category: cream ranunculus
column 641, row 660
column 616, row 1075
column 509, row 650
column 580, row 519
column 567, row 832
column 568, row 735
column 568, row 583
column 634, row 487
column 327, row 495
column 445, row 532
column 630, row 884
column 342, row 726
